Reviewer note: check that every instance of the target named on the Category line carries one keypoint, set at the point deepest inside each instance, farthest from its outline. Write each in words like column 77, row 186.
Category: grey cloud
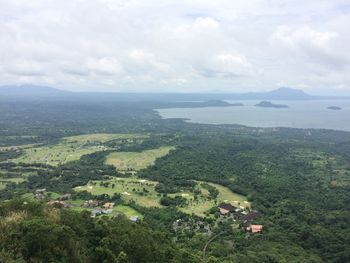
column 318, row 46
column 208, row 73
column 178, row 45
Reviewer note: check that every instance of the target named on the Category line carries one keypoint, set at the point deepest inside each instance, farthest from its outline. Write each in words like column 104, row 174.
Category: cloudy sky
column 176, row 45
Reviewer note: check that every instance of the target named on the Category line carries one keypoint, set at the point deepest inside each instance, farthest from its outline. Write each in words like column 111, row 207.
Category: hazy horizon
column 213, row 92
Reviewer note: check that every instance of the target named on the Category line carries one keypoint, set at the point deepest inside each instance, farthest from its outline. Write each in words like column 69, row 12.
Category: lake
column 300, row 114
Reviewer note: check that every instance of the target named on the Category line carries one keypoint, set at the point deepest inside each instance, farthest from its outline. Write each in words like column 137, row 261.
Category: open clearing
column 131, row 189
column 77, row 205
column 143, row 193
column 5, row 181
column 204, row 203
column 103, row 137
column 127, row 211
column 16, row 147
column 71, row 148
column 125, row 161
column 118, row 209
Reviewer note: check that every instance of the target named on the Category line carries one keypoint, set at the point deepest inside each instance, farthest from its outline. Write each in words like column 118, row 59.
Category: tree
column 122, row 258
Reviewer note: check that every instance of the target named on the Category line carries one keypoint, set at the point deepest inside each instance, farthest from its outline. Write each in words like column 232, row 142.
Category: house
column 40, row 194
column 65, row 197
column 226, row 208
column 256, row 228
column 39, row 197
column 107, row 211
column 249, row 218
column 108, row 205
column 90, row 203
column 40, row 191
column 96, row 212
column 134, row 218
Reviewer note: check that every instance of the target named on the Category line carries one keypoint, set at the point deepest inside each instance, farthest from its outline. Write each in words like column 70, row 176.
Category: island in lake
column 334, row 108
column 218, row 103
column 268, row 104
column 201, row 104
column 237, row 104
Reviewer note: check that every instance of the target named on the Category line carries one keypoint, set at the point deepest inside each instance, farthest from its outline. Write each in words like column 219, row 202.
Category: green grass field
column 103, row 137
column 203, row 203
column 71, row 148
column 17, row 147
column 131, row 189
column 124, row 161
column 144, row 194
column 127, row 211
column 5, row 181
column 118, row 209
column 226, row 195
column 2, row 185
column 77, row 205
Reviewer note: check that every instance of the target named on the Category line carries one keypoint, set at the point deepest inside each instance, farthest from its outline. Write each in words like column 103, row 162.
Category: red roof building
column 256, row 228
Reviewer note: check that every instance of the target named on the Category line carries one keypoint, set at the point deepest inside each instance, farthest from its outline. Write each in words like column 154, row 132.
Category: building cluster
column 99, row 211
column 192, row 225
column 105, row 209
column 59, row 203
column 246, row 218
column 95, row 206
column 40, row 194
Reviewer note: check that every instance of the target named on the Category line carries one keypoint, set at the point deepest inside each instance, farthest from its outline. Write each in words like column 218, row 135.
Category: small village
column 96, row 207
column 226, row 214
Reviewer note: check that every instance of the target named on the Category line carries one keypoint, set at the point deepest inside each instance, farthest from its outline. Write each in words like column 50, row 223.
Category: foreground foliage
column 32, row 232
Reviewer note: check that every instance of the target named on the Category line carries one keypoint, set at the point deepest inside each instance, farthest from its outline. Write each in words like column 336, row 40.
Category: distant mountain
column 288, row 93
column 27, row 92
column 268, row 104
column 34, row 93
column 30, row 90
column 334, row 108
column 278, row 94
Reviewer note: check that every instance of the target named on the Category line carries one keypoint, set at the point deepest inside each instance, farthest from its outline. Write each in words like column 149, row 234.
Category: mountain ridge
column 46, row 92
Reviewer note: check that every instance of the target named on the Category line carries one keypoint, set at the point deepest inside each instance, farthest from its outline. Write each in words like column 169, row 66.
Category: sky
column 176, row 45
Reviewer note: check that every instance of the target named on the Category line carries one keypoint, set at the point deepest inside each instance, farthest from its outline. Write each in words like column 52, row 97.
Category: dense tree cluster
column 173, row 201
column 301, row 208
column 32, row 232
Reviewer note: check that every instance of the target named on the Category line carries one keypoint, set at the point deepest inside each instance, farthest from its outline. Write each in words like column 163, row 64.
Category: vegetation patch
column 5, row 181
column 72, row 148
column 143, row 193
column 134, row 161
column 200, row 200
column 127, row 211
column 124, row 209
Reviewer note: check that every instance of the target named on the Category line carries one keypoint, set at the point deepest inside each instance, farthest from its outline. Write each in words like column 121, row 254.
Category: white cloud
column 315, row 45
column 21, row 67
column 104, row 66
column 179, row 45
column 146, row 61
column 295, row 38
column 200, row 24
column 227, row 66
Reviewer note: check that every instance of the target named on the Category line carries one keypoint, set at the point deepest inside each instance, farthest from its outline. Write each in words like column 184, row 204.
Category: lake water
column 300, row 114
